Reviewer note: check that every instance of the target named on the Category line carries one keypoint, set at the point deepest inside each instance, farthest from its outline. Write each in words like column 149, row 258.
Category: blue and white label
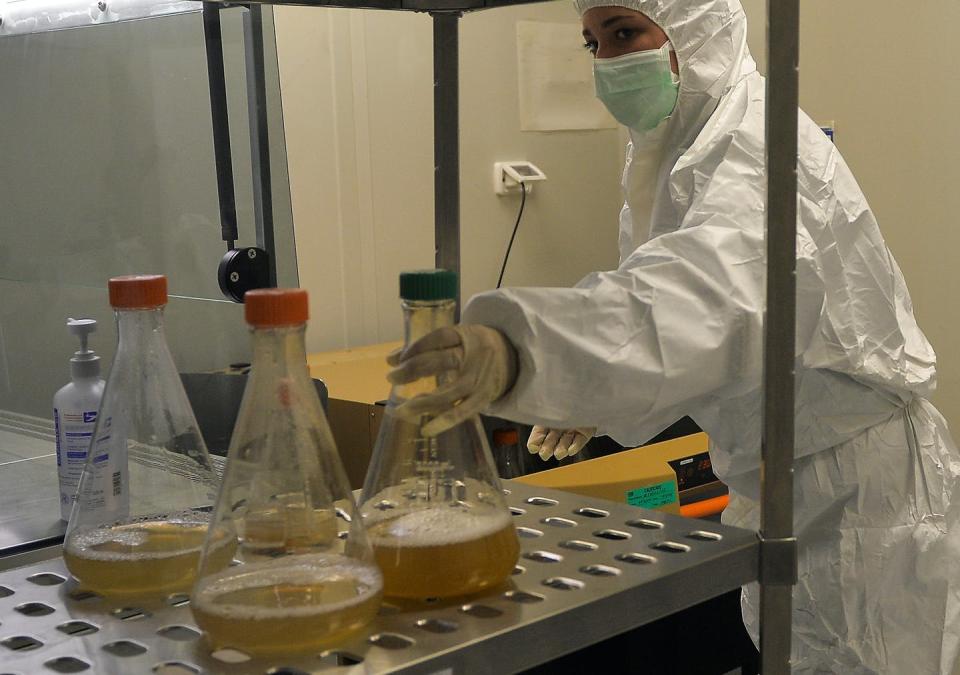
column 74, row 431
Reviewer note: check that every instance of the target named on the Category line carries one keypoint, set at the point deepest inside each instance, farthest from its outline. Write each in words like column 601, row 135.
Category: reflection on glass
column 108, row 169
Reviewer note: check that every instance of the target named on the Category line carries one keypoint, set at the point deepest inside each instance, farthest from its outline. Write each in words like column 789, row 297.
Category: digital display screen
column 693, row 471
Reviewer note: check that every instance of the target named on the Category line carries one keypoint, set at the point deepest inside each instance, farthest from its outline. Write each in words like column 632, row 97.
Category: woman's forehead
column 601, row 17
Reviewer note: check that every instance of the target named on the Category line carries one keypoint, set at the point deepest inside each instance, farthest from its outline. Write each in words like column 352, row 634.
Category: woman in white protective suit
column 677, row 330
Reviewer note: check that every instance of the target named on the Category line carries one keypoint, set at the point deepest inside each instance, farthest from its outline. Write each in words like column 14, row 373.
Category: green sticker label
column 653, row 496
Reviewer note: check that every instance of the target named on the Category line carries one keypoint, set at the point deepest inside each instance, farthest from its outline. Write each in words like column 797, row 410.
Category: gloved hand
column 478, row 365
column 558, row 442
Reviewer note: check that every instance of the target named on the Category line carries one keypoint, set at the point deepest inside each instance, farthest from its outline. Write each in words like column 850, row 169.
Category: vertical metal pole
column 446, row 143
column 778, row 564
column 221, row 124
column 259, row 133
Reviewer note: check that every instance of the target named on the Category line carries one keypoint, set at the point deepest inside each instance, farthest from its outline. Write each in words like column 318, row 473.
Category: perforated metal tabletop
column 589, row 569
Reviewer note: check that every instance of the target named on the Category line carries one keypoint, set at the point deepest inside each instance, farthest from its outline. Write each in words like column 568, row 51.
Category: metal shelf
column 573, row 586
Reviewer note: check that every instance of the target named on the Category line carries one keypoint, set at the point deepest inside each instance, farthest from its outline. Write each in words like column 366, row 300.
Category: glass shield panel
column 107, row 168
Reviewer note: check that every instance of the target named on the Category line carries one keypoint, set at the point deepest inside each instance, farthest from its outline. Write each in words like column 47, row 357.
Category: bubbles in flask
column 282, row 605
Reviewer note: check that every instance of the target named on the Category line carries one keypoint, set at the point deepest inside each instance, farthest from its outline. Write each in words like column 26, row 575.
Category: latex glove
column 559, row 443
column 476, row 364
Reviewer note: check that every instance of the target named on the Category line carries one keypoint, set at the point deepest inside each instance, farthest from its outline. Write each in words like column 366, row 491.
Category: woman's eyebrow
column 606, row 23
column 613, row 19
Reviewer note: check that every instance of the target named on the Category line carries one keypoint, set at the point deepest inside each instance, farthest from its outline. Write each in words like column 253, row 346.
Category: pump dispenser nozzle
column 84, row 363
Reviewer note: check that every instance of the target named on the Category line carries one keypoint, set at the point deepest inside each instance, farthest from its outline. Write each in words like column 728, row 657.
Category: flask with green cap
column 433, row 506
column 428, row 285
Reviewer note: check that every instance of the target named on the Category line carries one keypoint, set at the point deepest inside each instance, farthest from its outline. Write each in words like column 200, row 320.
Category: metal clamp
column 241, row 269
column 778, row 561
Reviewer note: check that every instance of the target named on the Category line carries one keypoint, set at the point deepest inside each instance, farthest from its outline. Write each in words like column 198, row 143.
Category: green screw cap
column 427, row 285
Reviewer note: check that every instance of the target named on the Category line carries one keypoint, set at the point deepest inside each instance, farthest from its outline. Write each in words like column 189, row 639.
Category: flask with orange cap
column 304, row 576
column 143, row 500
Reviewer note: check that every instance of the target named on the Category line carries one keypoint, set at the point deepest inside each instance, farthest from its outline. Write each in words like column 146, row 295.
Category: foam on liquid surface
column 145, row 540
column 300, row 586
column 441, row 525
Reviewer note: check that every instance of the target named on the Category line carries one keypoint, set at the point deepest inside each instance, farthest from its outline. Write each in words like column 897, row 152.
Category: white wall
column 357, row 98
column 888, row 80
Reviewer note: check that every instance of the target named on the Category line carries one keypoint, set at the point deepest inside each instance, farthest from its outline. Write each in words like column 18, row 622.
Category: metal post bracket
column 778, row 561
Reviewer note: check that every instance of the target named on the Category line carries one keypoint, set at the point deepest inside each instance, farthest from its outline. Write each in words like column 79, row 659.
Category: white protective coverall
column 677, row 330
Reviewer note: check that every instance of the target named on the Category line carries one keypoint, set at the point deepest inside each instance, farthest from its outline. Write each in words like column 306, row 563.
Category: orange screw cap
column 274, row 307
column 138, row 291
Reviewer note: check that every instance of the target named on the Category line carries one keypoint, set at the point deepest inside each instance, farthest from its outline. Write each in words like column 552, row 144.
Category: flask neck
column 280, row 351
column 422, row 317
column 140, row 328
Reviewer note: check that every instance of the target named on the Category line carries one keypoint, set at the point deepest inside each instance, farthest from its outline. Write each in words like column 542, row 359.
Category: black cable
column 506, row 256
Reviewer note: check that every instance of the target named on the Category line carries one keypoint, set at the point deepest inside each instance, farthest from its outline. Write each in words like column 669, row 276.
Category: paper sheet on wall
column 556, row 79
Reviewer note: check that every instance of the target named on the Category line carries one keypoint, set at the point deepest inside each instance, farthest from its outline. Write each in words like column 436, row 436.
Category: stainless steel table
column 589, row 569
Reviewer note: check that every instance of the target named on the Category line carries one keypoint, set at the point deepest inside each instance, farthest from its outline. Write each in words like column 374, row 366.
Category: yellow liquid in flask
column 142, row 558
column 443, row 552
column 288, row 605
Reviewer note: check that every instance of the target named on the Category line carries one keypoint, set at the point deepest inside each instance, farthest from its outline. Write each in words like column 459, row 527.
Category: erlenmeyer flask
column 433, row 506
column 299, row 586
column 144, row 497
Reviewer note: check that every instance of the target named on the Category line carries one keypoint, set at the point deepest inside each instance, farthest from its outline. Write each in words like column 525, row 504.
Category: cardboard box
column 645, row 476
column 357, row 386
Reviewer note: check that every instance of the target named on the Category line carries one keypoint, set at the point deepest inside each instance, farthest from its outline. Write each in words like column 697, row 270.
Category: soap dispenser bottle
column 75, row 408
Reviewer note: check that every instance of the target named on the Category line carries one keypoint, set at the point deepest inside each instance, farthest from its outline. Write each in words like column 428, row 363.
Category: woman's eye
column 590, row 47
column 625, row 33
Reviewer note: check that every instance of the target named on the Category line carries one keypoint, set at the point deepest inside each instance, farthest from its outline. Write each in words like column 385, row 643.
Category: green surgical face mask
column 639, row 89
